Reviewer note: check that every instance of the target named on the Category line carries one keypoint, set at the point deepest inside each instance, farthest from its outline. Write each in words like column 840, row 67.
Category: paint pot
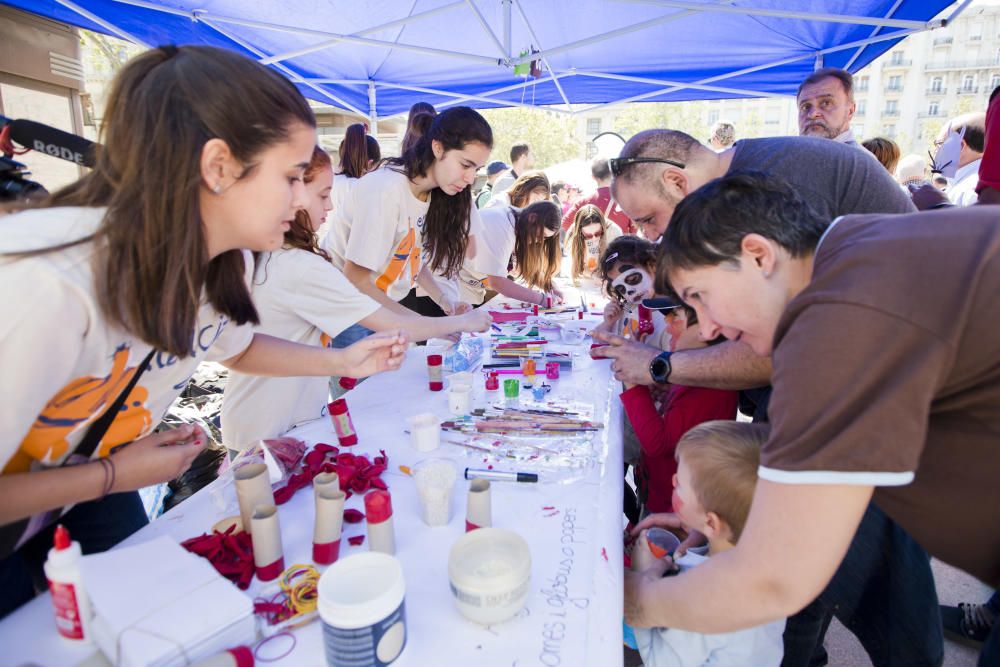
column 661, row 542
column 378, row 511
column 253, row 487
column 328, row 525
column 460, row 400
column 492, row 381
column 425, row 432
column 538, row 390
column 573, row 333
column 362, row 609
column 268, row 556
column 342, row 423
column 435, row 479
column 490, row 571
column 478, row 506
column 552, row 370
column 511, row 388
column 528, row 368
column 434, row 369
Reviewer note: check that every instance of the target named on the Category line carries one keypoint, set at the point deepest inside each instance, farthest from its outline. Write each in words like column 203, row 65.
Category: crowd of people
column 835, row 295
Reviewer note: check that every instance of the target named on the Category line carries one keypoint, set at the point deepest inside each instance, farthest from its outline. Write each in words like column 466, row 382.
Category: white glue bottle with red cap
column 69, row 597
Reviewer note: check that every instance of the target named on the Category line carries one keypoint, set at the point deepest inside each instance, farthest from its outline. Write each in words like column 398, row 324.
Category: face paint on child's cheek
column 636, row 283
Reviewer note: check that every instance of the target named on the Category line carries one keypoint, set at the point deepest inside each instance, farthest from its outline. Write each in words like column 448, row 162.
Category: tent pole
column 877, row 30
column 785, row 14
column 818, row 63
column 958, row 10
column 372, row 112
column 664, row 82
column 486, row 27
column 110, row 27
column 534, row 40
column 505, row 9
column 361, row 33
column 458, row 97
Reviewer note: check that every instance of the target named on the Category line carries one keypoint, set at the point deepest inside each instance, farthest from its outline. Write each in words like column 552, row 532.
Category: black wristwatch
column 659, row 368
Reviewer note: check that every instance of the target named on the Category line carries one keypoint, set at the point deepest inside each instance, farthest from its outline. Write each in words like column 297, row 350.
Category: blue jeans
column 97, row 525
column 883, row 592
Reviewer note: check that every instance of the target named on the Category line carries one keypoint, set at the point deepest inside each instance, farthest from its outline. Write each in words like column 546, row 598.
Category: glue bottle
column 378, row 512
column 69, row 597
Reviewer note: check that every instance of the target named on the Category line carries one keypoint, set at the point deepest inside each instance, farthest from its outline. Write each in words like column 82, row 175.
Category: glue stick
column 342, row 423
column 434, row 369
column 378, row 511
column 69, row 597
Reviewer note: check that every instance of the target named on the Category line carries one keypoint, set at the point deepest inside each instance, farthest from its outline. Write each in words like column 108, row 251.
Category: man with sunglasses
column 656, row 170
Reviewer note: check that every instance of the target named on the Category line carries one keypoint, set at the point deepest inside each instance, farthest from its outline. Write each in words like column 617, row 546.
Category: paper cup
column 478, row 508
column 460, row 400
column 253, row 487
column 329, row 521
column 268, row 557
column 425, row 432
column 661, row 542
column 435, row 479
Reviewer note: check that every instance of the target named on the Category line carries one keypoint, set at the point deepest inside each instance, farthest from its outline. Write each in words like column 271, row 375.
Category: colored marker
column 500, row 476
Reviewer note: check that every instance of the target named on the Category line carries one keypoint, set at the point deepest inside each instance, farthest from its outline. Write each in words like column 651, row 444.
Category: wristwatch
column 659, row 368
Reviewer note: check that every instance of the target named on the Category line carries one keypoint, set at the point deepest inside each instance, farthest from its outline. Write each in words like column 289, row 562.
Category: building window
column 897, row 57
column 889, row 131
column 932, row 109
column 713, row 116
column 967, row 82
column 936, row 84
column 862, row 107
column 891, row 108
column 895, row 82
column 593, row 126
column 994, row 82
column 862, row 81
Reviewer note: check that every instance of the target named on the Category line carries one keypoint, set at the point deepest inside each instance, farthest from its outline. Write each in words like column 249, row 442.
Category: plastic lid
column 243, row 656
column 434, row 359
column 489, row 560
column 360, row 590
column 338, row 407
column 61, row 539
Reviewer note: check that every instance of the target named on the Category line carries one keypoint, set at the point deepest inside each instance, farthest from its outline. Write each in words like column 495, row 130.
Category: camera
column 13, row 184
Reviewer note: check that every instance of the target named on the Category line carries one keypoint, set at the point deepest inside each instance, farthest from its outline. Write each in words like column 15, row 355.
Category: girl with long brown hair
column 529, row 187
column 358, row 153
column 121, row 283
column 523, row 243
column 300, row 295
column 587, row 239
column 410, row 219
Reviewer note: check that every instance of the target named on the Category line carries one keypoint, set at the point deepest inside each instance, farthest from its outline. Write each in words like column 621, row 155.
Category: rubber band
column 256, row 652
column 298, row 596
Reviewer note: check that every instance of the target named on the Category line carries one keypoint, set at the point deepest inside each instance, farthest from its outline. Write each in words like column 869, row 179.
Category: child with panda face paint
column 659, row 418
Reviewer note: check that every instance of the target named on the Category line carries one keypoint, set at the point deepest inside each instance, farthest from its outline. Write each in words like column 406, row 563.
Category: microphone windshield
column 49, row 140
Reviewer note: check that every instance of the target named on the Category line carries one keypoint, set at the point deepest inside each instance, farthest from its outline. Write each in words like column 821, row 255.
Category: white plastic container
column 460, row 399
column 69, row 597
column 361, row 606
column 490, row 571
column 425, row 432
column 435, row 480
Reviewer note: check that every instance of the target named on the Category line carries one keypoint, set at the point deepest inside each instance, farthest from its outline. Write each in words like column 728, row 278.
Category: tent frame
column 676, row 9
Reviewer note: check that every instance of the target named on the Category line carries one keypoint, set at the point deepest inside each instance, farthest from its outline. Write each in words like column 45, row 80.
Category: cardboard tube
column 478, row 512
column 268, row 557
column 329, row 521
column 253, row 487
column 326, row 480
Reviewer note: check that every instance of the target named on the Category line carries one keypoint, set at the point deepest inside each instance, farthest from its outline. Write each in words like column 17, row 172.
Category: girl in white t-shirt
column 529, row 187
column 300, row 295
column 520, row 242
column 587, row 238
column 415, row 206
column 359, row 153
column 202, row 157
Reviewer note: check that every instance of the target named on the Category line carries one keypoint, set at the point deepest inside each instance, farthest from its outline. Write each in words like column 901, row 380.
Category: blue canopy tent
column 376, row 57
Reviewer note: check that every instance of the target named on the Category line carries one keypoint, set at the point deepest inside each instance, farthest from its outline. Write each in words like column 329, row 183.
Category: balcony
column 942, row 41
column 980, row 63
column 937, row 91
column 894, row 88
column 897, row 63
column 968, row 90
column 890, row 113
column 929, row 114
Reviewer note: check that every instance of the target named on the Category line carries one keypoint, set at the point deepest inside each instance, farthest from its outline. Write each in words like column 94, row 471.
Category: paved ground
column 844, row 650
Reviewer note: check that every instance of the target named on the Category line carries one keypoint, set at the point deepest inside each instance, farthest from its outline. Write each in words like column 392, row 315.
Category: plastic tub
column 489, row 570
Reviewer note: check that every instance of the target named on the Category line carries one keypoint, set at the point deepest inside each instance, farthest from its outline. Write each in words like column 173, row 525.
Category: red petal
column 356, row 540
column 353, row 516
column 378, row 483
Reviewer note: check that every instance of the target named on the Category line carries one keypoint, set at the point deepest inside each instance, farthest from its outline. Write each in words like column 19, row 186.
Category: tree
column 553, row 136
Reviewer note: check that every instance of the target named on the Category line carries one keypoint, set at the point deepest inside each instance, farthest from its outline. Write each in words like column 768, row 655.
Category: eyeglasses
column 618, row 164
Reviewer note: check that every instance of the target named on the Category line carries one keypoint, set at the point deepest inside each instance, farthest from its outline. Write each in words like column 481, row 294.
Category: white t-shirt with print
column 333, row 234
column 63, row 363
column 668, row 647
column 381, row 211
column 303, row 298
column 494, row 245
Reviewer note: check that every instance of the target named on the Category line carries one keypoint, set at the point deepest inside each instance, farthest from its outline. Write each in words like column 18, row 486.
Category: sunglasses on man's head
column 618, row 164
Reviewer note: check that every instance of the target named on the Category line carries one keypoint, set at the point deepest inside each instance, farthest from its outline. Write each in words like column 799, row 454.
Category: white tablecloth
column 574, row 609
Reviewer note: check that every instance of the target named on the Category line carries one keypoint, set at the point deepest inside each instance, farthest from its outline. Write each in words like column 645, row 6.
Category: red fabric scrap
column 356, row 540
column 357, row 474
column 353, row 516
column 231, row 554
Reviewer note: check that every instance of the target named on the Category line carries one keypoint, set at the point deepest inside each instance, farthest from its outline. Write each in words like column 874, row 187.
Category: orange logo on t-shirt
column 404, row 252
column 76, row 405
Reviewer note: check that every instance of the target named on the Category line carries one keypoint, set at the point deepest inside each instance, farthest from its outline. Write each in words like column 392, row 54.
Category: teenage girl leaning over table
column 144, row 261
column 410, row 219
column 300, row 295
